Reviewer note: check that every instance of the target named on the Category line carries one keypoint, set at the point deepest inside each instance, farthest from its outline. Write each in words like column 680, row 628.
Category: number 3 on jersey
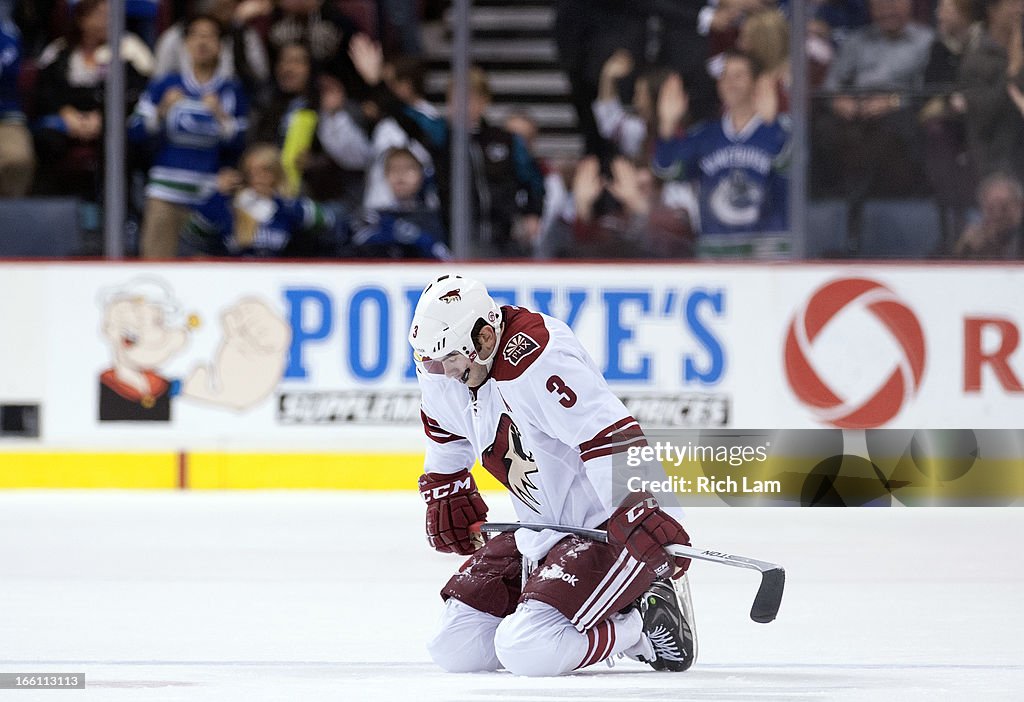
column 567, row 398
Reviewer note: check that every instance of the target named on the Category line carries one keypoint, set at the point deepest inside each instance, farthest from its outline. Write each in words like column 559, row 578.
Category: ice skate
column 668, row 641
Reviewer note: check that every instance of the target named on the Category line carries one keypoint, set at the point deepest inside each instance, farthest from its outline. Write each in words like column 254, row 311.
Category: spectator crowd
column 273, row 128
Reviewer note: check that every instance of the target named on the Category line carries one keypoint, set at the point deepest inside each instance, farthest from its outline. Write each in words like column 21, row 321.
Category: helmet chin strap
column 489, row 361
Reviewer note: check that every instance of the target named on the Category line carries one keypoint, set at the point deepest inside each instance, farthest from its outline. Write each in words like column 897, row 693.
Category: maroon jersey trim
column 435, row 431
column 522, row 342
column 615, row 438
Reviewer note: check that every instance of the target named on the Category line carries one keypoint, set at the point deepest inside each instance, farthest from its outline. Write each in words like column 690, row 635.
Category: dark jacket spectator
column 949, row 167
column 867, row 139
column 70, row 100
column 324, row 29
column 289, row 118
column 587, row 33
column 955, row 30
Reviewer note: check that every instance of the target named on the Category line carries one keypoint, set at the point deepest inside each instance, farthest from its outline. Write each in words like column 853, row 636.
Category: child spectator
column 405, row 78
column 412, row 228
column 250, row 216
column 507, row 182
column 198, row 121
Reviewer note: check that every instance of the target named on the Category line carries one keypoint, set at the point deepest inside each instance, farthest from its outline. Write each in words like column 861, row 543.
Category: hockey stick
column 773, row 577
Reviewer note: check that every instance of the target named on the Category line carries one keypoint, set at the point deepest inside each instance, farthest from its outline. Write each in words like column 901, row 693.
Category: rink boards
column 286, row 375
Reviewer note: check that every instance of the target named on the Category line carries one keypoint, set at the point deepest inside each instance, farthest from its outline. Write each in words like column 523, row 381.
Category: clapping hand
column 367, row 57
column 673, row 104
column 587, row 187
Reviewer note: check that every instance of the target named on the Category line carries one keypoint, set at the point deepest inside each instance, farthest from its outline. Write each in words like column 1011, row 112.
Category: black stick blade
column 769, row 596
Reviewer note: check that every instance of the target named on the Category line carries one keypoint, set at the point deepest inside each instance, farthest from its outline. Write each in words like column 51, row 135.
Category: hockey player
column 516, row 390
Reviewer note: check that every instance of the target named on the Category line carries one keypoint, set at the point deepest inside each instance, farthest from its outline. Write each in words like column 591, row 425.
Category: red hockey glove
column 641, row 526
column 453, row 504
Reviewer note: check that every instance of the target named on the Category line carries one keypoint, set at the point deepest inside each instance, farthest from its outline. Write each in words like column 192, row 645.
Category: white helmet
column 444, row 319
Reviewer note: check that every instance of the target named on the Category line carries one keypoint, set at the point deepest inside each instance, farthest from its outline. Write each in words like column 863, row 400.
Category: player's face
column 457, row 366
column 460, row 367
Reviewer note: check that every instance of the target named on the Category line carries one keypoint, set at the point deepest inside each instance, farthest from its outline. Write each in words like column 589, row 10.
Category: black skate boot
column 667, row 628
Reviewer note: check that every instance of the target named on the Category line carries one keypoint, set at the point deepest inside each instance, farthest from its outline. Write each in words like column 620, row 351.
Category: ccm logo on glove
column 448, row 489
column 638, row 510
column 453, row 506
column 641, row 527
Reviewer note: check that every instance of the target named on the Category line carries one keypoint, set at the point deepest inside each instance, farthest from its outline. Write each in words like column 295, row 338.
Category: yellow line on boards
column 218, row 471
column 89, row 470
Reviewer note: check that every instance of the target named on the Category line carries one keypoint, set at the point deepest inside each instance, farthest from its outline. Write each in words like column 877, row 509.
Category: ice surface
column 330, row 596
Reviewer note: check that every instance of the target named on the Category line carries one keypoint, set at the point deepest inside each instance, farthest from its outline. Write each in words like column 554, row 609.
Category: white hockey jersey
column 545, row 423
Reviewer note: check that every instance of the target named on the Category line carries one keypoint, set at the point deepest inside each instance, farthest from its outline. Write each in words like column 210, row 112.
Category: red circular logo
column 829, row 302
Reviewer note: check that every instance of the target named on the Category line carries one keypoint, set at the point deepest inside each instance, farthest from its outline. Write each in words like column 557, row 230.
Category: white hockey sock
column 619, row 633
column 643, row 649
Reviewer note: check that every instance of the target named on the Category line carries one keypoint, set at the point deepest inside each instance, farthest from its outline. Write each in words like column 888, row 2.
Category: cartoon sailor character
column 144, row 328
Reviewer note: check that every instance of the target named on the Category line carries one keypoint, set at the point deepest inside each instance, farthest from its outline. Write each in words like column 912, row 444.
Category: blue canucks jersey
column 192, row 144
column 740, row 175
column 250, row 225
